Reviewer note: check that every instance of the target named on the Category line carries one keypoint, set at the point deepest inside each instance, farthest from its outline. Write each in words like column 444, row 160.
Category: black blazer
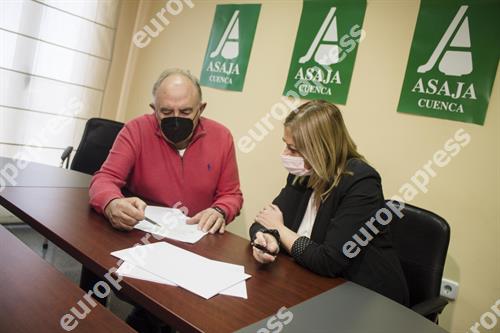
column 353, row 202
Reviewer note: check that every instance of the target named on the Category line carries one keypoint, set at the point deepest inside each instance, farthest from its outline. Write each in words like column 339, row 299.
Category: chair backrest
column 98, row 138
column 421, row 240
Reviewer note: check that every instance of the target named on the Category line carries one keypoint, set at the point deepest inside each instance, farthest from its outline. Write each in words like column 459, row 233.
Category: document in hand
column 172, row 224
column 188, row 270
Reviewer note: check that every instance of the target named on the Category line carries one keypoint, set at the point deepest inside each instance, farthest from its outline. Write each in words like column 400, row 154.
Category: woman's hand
column 270, row 217
column 269, row 243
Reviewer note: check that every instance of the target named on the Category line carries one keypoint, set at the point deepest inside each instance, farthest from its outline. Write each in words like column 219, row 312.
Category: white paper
column 190, row 271
column 172, row 224
column 238, row 290
column 130, row 270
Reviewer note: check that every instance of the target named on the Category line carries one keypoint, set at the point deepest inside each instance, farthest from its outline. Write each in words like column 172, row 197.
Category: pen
column 151, row 221
column 263, row 248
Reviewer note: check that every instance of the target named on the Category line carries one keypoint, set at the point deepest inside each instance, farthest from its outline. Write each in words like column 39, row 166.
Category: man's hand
column 270, row 243
column 209, row 220
column 124, row 213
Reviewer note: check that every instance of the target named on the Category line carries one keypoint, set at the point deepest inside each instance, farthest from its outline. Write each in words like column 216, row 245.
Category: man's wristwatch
column 220, row 211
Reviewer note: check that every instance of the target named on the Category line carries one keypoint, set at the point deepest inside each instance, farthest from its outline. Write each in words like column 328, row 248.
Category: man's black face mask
column 177, row 129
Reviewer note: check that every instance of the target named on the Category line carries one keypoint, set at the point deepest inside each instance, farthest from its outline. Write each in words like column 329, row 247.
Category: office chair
column 421, row 240
column 97, row 139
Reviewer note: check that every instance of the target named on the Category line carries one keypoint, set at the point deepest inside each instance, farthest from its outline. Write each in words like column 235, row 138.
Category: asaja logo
column 325, row 51
column 228, row 45
column 454, row 62
column 327, row 35
column 455, row 59
column 314, row 78
column 227, row 49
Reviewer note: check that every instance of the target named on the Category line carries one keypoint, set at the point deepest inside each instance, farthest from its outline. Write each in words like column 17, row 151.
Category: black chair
column 421, row 239
column 97, row 139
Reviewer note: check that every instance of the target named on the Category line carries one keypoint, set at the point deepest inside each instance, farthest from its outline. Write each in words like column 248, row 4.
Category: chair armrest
column 65, row 156
column 434, row 305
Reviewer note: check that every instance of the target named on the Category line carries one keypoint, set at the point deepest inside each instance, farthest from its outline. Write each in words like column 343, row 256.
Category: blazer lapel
column 326, row 212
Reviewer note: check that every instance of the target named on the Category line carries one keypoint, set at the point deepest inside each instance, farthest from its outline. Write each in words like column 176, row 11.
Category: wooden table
column 64, row 217
column 54, row 202
column 34, row 296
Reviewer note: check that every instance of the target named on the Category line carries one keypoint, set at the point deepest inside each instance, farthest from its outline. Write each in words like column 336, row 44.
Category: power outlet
column 449, row 289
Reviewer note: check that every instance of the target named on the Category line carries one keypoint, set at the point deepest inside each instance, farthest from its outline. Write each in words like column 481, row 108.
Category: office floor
column 62, row 262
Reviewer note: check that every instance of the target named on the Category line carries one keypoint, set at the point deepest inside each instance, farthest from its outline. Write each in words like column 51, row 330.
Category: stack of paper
column 172, row 224
column 128, row 269
column 165, row 263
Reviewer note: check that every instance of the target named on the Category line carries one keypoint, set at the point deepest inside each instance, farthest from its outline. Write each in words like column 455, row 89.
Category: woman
column 330, row 194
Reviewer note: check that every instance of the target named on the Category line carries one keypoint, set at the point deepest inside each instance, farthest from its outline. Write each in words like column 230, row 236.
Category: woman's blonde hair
column 320, row 135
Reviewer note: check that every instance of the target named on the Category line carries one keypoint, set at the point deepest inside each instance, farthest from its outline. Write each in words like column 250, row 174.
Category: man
column 172, row 157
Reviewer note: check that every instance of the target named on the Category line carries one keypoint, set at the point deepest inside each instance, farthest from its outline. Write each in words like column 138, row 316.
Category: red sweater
column 142, row 161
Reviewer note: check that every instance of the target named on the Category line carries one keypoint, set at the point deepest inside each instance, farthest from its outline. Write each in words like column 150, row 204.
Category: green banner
column 229, row 46
column 453, row 60
column 325, row 49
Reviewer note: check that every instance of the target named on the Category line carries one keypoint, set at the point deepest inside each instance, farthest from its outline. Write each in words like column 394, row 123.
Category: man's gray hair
column 178, row 71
